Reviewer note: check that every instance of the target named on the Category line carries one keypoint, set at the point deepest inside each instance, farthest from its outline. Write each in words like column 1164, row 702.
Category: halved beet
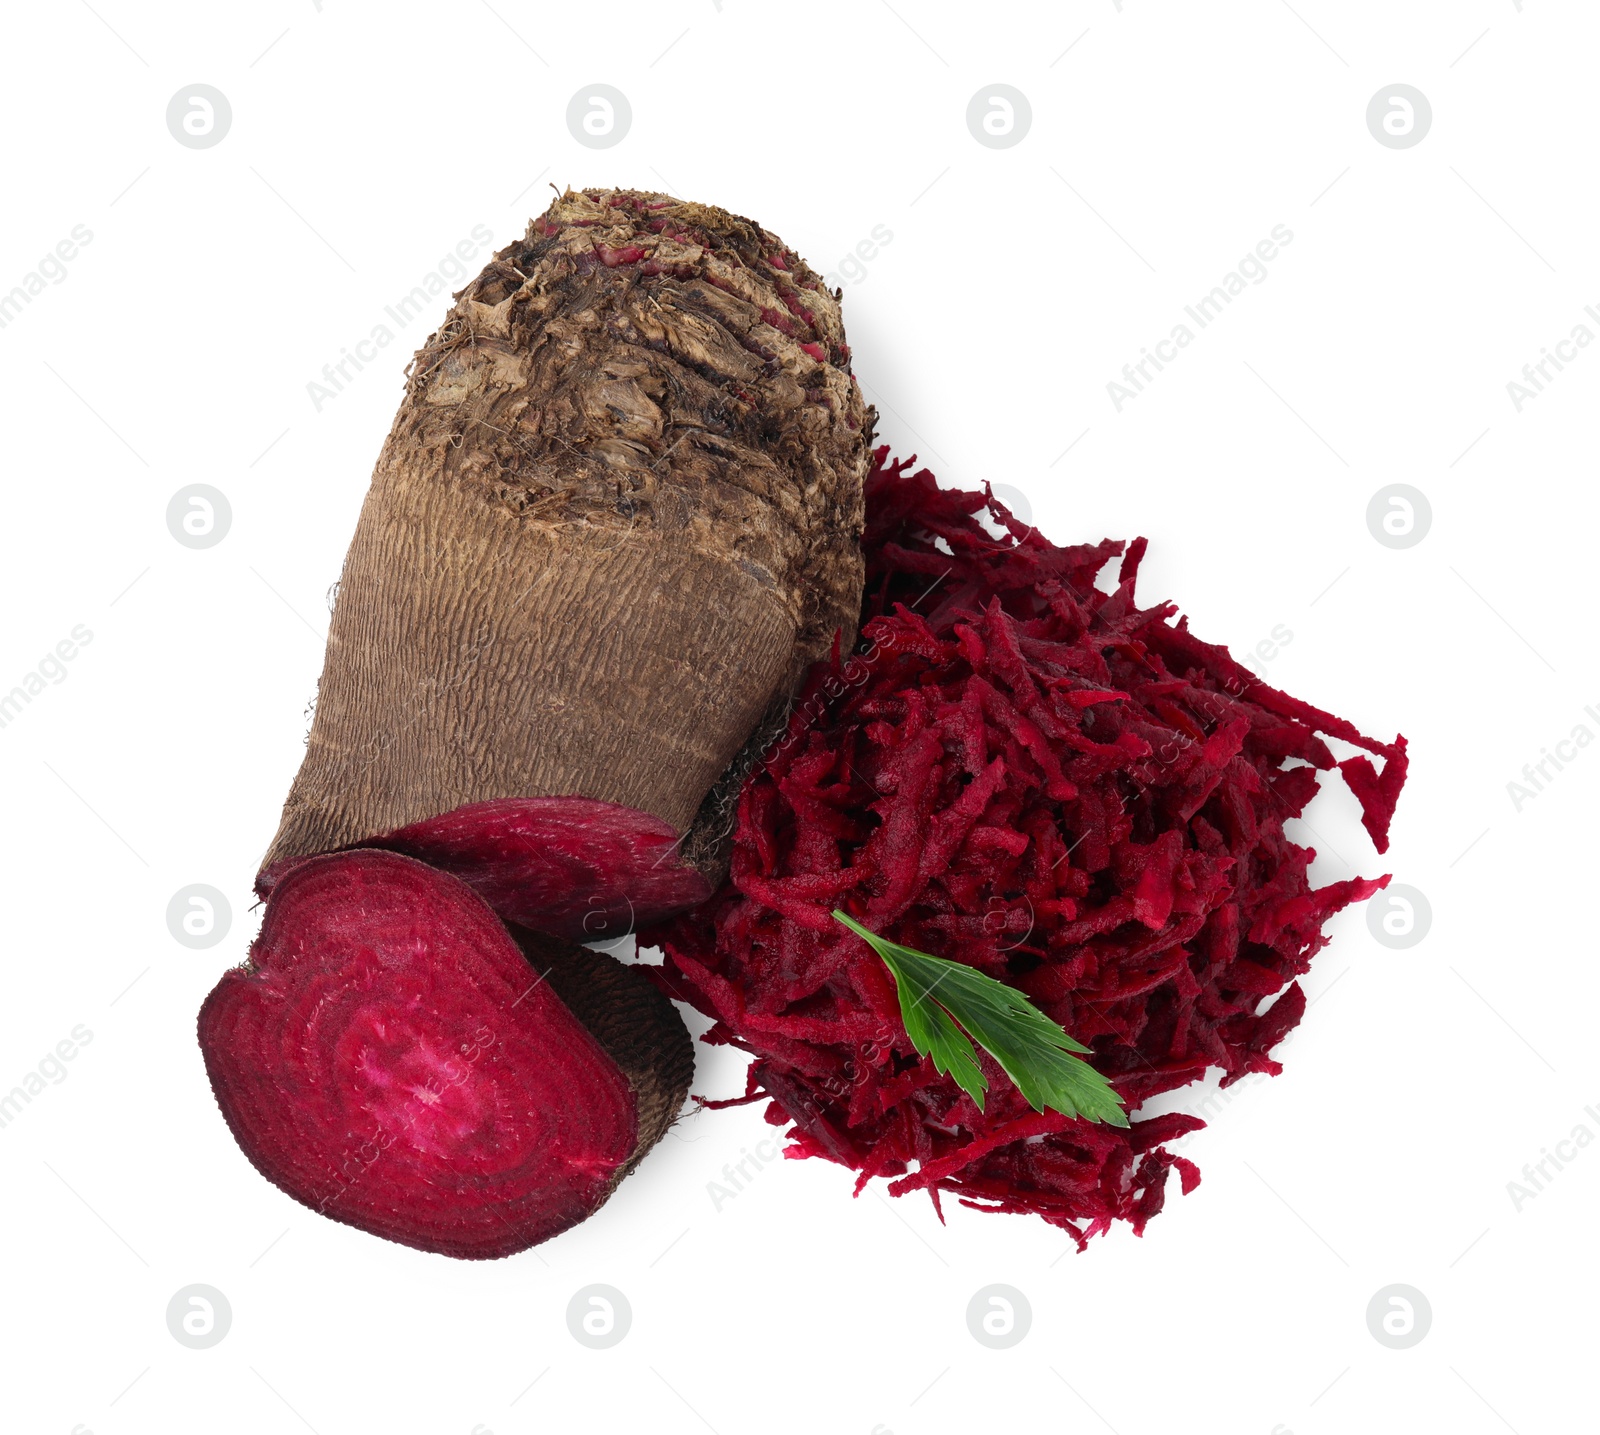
column 390, row 1057
column 573, row 866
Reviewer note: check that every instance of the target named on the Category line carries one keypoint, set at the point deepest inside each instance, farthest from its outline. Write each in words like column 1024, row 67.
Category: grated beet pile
column 1071, row 793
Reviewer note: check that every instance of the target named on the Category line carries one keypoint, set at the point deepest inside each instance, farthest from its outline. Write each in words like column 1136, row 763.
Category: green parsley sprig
column 943, row 1003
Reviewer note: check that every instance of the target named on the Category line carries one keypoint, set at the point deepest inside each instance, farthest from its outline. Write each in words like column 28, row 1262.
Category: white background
column 1166, row 141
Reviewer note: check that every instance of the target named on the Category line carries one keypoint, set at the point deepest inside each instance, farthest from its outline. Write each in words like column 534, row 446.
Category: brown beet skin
column 391, row 1058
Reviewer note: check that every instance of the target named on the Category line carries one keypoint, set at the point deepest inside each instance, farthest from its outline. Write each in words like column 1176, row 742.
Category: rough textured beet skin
column 571, row 866
column 390, row 1058
column 1026, row 772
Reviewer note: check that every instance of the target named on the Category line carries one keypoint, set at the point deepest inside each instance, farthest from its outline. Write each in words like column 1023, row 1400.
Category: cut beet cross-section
column 393, row 1059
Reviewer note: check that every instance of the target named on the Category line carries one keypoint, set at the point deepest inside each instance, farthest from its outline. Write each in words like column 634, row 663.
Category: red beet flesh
column 391, row 1059
column 571, row 866
column 1024, row 772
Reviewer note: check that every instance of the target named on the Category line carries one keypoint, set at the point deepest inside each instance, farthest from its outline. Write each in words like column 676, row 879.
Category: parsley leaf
column 943, row 1003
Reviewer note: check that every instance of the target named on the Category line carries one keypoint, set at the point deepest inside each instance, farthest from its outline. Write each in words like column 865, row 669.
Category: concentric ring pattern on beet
column 1022, row 771
column 391, row 1059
